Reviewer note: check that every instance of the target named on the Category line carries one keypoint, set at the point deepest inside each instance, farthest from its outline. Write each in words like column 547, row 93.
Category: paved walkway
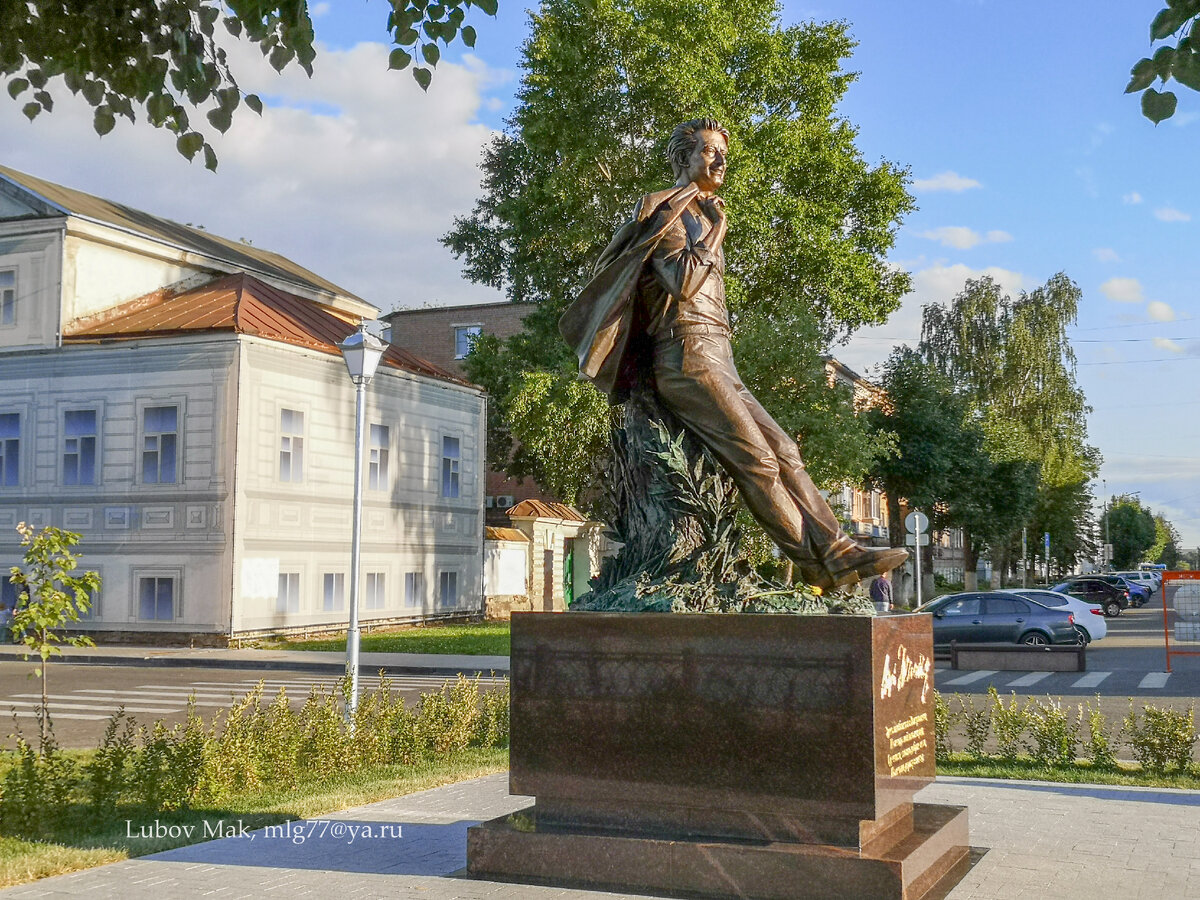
column 1046, row 842
column 293, row 660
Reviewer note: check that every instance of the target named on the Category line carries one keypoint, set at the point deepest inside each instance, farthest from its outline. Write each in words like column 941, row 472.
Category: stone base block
column 922, row 863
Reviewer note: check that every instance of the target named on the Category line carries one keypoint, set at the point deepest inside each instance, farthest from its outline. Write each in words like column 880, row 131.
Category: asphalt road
column 83, row 698
column 1129, row 664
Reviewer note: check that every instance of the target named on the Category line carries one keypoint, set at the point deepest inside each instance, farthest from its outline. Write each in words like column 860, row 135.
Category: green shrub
column 1099, row 746
column 1055, row 733
column 943, row 721
column 978, row 725
column 1161, row 738
column 1009, row 724
column 37, row 791
column 108, row 771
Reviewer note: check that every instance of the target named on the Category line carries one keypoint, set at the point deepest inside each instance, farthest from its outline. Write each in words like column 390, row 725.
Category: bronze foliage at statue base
column 675, row 514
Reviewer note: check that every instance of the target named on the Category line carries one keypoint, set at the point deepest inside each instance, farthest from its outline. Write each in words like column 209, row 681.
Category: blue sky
column 1026, row 156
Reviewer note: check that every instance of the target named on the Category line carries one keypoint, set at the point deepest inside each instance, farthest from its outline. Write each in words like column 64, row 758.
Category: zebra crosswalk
column 952, row 680
column 152, row 700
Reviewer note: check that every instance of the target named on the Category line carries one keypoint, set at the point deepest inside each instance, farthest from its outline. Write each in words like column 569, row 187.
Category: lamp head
column 362, row 352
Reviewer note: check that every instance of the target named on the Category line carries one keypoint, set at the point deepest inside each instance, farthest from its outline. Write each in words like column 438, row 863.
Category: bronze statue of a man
column 657, row 299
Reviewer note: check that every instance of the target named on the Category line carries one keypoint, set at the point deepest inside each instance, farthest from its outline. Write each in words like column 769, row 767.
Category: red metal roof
column 242, row 304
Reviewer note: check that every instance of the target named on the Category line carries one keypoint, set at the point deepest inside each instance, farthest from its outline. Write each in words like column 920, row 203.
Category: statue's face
column 706, row 164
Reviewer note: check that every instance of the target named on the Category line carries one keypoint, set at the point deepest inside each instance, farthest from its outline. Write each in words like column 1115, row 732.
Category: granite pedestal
column 748, row 756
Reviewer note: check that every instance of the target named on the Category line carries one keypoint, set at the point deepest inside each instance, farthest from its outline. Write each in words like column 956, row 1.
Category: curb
column 258, row 665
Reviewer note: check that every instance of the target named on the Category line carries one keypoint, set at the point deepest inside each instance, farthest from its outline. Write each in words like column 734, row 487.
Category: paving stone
column 1050, row 842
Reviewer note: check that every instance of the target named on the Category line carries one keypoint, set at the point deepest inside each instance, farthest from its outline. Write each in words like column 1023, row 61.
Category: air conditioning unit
column 505, row 501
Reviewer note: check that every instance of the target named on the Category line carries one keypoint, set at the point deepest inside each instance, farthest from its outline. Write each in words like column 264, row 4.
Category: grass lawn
column 469, row 639
column 77, row 844
column 1081, row 773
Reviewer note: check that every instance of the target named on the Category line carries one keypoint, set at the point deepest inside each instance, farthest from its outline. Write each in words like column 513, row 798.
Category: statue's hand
column 713, row 207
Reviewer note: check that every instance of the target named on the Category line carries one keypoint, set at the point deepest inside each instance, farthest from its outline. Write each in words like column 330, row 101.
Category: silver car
column 1089, row 617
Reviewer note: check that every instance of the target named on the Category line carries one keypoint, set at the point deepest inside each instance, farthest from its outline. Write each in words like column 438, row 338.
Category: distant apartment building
column 179, row 400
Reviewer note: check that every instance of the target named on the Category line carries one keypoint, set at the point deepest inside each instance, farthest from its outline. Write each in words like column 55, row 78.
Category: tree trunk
column 970, row 562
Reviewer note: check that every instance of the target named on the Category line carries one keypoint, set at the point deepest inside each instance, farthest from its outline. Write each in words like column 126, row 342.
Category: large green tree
column 1013, row 361
column 1130, row 528
column 940, row 463
column 161, row 58
column 810, row 221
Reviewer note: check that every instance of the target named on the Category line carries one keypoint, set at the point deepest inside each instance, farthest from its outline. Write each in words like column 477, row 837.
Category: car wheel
column 1035, row 639
column 1112, row 609
column 1084, row 637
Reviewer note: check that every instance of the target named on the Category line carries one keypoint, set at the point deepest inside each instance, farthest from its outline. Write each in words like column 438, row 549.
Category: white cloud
column 1106, row 254
column 936, row 283
column 1123, row 290
column 354, row 173
column 1170, row 214
column 1167, row 344
column 962, row 238
column 318, row 9
column 1132, row 198
column 1159, row 311
column 945, row 181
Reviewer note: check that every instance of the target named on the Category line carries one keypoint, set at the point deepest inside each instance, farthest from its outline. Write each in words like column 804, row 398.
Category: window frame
column 338, row 581
column 446, row 577
column 8, row 298
column 295, row 449
column 174, row 575
column 287, row 604
column 450, row 470
column 466, row 331
column 143, row 404
column 21, row 417
column 375, row 590
column 378, row 458
column 97, row 409
column 414, row 588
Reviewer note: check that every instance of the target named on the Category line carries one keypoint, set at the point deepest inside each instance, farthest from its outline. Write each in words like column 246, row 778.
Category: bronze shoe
column 849, row 563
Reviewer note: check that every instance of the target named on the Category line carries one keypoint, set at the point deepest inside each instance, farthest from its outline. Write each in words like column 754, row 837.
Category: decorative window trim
column 175, row 574
column 96, row 406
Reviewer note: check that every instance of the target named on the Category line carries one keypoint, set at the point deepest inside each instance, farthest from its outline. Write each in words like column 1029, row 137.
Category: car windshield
column 1060, row 588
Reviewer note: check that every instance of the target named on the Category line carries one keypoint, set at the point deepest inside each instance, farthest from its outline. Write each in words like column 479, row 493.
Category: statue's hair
column 683, row 140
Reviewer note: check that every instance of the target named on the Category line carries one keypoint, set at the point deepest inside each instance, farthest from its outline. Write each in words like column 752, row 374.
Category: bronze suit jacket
column 599, row 325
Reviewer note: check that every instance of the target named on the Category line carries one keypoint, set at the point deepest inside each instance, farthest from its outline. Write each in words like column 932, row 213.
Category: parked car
column 983, row 617
column 1089, row 617
column 1139, row 594
column 1149, row 580
column 1094, row 589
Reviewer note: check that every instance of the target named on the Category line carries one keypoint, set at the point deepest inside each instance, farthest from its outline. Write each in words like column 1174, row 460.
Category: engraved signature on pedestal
column 903, row 670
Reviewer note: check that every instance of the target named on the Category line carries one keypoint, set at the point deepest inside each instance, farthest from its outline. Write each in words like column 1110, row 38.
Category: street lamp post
column 362, row 352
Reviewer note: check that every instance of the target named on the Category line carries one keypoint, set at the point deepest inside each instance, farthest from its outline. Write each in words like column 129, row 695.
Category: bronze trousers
column 696, row 380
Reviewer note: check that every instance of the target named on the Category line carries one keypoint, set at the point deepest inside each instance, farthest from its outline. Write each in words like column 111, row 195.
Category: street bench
column 1018, row 657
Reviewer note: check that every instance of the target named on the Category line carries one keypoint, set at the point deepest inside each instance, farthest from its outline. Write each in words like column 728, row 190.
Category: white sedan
column 1089, row 617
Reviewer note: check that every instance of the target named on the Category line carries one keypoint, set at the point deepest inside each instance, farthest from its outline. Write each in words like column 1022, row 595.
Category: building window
column 448, row 588
column 376, row 591
column 291, row 445
column 287, row 599
column 464, row 339
column 160, row 434
column 414, row 588
column 79, row 446
column 377, row 475
column 10, row 449
column 450, row 462
column 156, row 598
column 8, row 297
column 335, row 591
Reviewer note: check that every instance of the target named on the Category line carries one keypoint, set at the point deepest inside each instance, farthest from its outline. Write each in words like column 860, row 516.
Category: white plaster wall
column 98, row 276
column 33, row 251
column 304, row 527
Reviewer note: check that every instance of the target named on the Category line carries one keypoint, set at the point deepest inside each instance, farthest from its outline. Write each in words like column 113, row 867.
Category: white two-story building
column 178, row 400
